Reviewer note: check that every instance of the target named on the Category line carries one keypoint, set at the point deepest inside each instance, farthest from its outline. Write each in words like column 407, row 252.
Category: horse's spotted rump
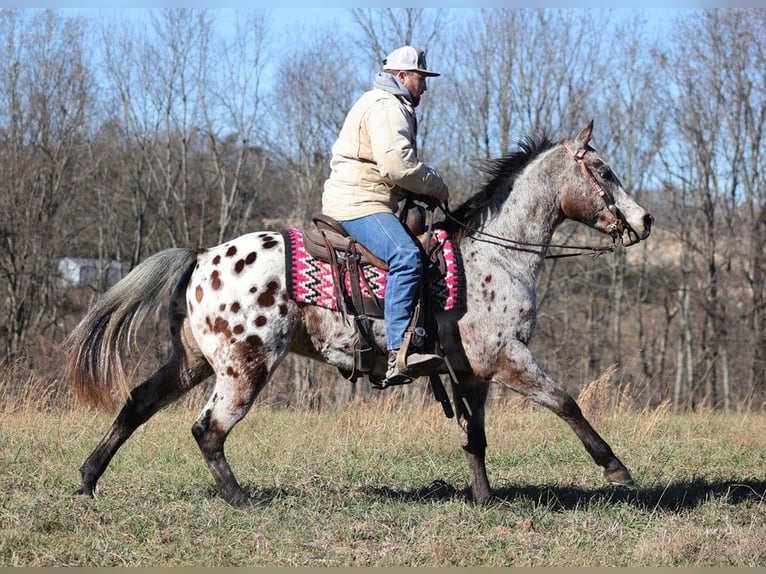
column 241, row 264
column 242, row 305
column 254, row 341
column 221, row 325
column 269, row 242
column 267, row 298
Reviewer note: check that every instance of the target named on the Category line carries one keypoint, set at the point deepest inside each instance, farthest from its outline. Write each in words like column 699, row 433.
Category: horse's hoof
column 83, row 491
column 238, row 500
column 243, row 500
column 487, row 499
column 619, row 477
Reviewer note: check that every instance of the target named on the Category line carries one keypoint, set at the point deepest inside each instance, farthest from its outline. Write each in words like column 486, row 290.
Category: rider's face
column 415, row 82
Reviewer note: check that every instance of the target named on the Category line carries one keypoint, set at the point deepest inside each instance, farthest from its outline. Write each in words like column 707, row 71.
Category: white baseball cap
column 409, row 59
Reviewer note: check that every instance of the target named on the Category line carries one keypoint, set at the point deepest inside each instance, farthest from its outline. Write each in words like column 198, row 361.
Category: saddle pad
column 309, row 280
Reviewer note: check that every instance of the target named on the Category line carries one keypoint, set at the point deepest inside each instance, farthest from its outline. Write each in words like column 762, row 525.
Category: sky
column 304, row 14
column 307, row 11
column 292, row 14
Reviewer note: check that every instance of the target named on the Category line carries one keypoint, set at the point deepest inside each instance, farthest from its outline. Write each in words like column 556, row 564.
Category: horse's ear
column 585, row 135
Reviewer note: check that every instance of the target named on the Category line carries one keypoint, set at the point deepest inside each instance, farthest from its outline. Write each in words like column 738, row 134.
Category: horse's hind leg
column 235, row 390
column 179, row 374
column 522, row 373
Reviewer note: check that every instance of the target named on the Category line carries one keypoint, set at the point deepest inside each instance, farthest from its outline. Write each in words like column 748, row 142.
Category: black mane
column 499, row 176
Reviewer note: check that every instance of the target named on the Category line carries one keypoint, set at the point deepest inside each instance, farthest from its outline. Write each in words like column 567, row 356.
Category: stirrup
column 393, row 382
column 419, row 364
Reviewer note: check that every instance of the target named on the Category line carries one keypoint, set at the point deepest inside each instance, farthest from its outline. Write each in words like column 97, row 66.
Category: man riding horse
column 374, row 164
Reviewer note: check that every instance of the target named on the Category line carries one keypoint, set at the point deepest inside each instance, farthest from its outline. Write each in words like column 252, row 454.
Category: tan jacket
column 375, row 159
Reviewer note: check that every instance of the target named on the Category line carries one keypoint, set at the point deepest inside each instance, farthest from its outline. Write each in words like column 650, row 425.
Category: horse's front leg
column 470, row 396
column 520, row 371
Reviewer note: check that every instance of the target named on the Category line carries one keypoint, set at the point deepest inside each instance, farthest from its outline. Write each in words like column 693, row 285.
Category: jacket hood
column 389, row 83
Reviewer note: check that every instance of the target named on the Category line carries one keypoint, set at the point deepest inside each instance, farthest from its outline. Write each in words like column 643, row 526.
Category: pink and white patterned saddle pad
column 309, row 280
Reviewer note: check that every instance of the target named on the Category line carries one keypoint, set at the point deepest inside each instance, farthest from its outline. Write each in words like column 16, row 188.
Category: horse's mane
column 500, row 174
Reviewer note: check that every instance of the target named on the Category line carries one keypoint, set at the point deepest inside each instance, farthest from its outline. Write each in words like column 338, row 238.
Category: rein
column 508, row 243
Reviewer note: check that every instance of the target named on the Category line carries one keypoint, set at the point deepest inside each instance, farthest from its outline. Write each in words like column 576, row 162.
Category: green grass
column 380, row 484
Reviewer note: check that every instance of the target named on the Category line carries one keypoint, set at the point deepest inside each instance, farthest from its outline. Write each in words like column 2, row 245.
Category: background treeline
column 120, row 137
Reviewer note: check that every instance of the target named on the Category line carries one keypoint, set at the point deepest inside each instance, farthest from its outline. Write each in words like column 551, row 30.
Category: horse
column 231, row 316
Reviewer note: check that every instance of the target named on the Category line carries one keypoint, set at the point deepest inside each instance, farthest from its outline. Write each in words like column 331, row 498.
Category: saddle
column 328, row 238
column 328, row 241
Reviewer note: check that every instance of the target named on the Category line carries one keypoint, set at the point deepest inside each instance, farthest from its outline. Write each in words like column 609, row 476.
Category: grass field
column 386, row 485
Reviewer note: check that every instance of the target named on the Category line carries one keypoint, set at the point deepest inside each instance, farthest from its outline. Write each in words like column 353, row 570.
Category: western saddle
column 328, row 241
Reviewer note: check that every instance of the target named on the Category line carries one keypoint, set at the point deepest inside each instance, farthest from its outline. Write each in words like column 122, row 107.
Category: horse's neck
column 527, row 219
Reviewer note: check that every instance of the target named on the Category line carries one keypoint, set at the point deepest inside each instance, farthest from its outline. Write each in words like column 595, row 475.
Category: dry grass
column 383, row 482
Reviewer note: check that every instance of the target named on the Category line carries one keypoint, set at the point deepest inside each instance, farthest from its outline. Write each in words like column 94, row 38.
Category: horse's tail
column 93, row 364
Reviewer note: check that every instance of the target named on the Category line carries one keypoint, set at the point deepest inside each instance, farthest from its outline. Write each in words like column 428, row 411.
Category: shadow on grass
column 258, row 497
column 673, row 497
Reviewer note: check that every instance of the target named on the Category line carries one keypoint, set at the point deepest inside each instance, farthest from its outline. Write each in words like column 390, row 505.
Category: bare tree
column 635, row 129
column 190, row 107
column 234, row 112
column 719, row 120
column 311, row 111
column 45, row 94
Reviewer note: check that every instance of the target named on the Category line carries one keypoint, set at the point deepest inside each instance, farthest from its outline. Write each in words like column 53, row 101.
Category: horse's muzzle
column 630, row 235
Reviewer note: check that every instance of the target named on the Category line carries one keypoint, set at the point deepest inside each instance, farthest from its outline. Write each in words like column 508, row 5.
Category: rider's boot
column 404, row 369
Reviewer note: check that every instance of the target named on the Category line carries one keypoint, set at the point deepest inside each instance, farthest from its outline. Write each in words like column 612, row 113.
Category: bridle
column 602, row 193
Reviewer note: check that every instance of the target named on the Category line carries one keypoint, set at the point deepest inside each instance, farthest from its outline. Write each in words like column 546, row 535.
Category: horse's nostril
column 648, row 222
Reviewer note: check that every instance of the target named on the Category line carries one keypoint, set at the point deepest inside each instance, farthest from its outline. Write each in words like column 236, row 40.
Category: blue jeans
column 386, row 237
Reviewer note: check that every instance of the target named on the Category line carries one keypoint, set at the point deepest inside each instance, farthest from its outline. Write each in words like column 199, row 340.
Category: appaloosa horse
column 231, row 316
